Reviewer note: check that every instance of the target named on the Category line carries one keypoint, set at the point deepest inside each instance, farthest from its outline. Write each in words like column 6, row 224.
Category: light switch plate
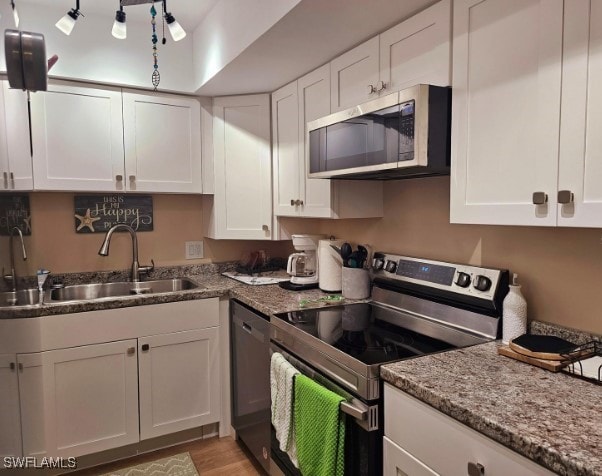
column 194, row 249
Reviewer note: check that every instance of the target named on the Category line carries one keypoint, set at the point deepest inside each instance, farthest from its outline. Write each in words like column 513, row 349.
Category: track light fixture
column 175, row 29
column 119, row 27
column 15, row 13
column 67, row 23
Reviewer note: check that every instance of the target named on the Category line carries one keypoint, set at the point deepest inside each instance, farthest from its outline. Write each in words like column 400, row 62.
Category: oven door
column 363, row 427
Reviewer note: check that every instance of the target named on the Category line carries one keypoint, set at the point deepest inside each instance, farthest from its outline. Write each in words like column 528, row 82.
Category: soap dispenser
column 514, row 312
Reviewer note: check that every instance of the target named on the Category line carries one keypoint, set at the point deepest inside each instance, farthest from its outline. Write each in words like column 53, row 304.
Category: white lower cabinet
column 420, row 440
column 80, row 400
column 179, row 381
column 10, row 424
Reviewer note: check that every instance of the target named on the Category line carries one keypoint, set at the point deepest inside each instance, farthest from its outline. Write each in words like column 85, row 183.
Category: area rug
column 176, row 465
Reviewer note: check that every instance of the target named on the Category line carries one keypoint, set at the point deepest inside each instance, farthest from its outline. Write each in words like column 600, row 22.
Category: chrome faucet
column 136, row 268
column 12, row 277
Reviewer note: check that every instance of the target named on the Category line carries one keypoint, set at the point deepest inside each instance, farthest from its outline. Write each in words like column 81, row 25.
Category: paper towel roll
column 330, row 265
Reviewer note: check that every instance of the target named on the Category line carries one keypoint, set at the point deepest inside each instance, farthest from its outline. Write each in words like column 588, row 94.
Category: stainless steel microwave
column 402, row 135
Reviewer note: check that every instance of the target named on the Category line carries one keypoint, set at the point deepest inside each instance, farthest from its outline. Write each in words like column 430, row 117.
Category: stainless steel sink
column 23, row 297
column 85, row 292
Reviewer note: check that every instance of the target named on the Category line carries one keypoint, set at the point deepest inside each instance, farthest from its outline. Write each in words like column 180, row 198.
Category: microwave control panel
column 406, row 130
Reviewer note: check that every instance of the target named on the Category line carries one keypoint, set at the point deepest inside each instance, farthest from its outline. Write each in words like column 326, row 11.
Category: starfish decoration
column 27, row 223
column 86, row 221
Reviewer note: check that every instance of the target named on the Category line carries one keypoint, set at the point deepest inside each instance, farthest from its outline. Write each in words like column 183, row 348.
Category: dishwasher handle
column 252, row 331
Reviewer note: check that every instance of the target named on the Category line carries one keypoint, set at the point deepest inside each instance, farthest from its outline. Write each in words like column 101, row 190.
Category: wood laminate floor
column 212, row 457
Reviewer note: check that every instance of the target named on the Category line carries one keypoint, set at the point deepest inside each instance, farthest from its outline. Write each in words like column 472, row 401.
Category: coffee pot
column 302, row 266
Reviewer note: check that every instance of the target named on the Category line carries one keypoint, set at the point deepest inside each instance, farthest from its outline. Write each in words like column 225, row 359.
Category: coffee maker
column 302, row 266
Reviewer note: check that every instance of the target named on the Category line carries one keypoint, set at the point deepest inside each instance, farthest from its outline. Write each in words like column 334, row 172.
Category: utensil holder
column 356, row 283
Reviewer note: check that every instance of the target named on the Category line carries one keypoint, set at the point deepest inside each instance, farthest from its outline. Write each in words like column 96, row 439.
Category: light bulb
column 119, row 27
column 67, row 23
column 177, row 32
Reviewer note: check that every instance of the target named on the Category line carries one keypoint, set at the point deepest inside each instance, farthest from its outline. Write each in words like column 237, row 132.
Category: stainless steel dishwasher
column 251, row 402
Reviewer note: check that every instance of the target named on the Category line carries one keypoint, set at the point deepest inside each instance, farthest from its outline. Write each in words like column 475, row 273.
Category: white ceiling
column 310, row 35
column 189, row 13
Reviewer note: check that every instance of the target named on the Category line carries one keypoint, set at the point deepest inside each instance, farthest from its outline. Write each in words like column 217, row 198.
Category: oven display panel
column 432, row 273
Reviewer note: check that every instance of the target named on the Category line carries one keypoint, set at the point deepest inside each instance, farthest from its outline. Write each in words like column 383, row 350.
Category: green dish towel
column 319, row 429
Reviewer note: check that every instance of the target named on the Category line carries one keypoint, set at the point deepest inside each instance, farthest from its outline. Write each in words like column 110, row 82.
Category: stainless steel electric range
column 417, row 307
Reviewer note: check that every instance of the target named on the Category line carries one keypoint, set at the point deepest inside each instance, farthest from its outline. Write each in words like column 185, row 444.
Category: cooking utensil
column 26, row 64
column 363, row 255
column 346, row 251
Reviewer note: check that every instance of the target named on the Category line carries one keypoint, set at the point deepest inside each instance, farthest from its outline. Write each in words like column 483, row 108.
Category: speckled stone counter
column 553, row 419
column 267, row 299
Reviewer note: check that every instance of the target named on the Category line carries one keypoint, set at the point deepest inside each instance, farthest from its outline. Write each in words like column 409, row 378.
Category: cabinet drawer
column 398, row 462
column 446, row 445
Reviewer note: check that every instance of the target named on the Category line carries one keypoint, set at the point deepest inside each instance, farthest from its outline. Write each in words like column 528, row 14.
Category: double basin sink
column 88, row 292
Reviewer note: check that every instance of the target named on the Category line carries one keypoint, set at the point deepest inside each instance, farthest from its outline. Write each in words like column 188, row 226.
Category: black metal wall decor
column 98, row 213
column 15, row 211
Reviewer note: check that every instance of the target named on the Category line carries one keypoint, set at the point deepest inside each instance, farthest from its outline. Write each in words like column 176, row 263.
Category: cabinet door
column 505, row 119
column 10, row 421
column 162, row 143
column 18, row 167
column 77, row 139
column 417, row 51
column 580, row 167
column 179, row 381
column 314, row 102
column 398, row 462
column 242, row 167
column 285, row 151
column 3, row 141
column 353, row 76
column 80, row 400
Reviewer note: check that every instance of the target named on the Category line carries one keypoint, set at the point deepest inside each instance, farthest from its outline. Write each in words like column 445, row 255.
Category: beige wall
column 561, row 269
column 54, row 245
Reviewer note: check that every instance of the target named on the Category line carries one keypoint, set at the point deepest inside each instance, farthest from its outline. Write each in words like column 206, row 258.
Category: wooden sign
column 15, row 212
column 98, row 213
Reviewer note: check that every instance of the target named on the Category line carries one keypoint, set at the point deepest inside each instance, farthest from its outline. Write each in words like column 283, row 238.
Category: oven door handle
column 353, row 411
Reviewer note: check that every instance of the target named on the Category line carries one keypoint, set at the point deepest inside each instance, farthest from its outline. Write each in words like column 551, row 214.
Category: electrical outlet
column 194, row 249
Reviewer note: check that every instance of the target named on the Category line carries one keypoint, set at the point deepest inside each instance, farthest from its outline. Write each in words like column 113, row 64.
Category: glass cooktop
column 365, row 332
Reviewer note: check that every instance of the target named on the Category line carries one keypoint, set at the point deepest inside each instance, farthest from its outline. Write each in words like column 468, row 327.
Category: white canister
column 514, row 314
column 329, row 266
column 356, row 283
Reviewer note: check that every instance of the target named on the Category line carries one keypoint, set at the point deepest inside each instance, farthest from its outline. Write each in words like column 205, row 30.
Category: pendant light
column 119, row 27
column 67, row 23
column 175, row 29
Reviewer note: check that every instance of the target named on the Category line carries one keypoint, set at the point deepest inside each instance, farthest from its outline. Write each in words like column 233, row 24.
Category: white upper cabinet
column 285, row 151
column 580, row 164
column 15, row 148
column 162, row 137
column 293, row 106
column 353, row 76
column 413, row 52
column 77, row 139
column 525, row 143
column 79, row 134
column 242, row 201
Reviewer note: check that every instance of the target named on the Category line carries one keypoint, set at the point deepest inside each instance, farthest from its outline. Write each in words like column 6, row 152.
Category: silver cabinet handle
column 119, row 178
column 5, row 174
column 12, row 180
column 476, row 469
column 371, row 89
column 565, row 196
column 131, row 350
column 145, row 347
column 132, row 178
column 540, row 198
column 20, row 367
column 292, row 202
column 380, row 86
column 265, row 228
column 300, row 202
column 12, row 366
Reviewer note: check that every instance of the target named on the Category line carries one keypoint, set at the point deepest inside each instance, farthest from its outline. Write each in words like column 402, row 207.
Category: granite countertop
column 267, row 299
column 552, row 418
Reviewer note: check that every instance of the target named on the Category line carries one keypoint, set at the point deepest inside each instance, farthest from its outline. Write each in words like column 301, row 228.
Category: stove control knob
column 377, row 264
column 391, row 266
column 482, row 283
column 463, row 279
